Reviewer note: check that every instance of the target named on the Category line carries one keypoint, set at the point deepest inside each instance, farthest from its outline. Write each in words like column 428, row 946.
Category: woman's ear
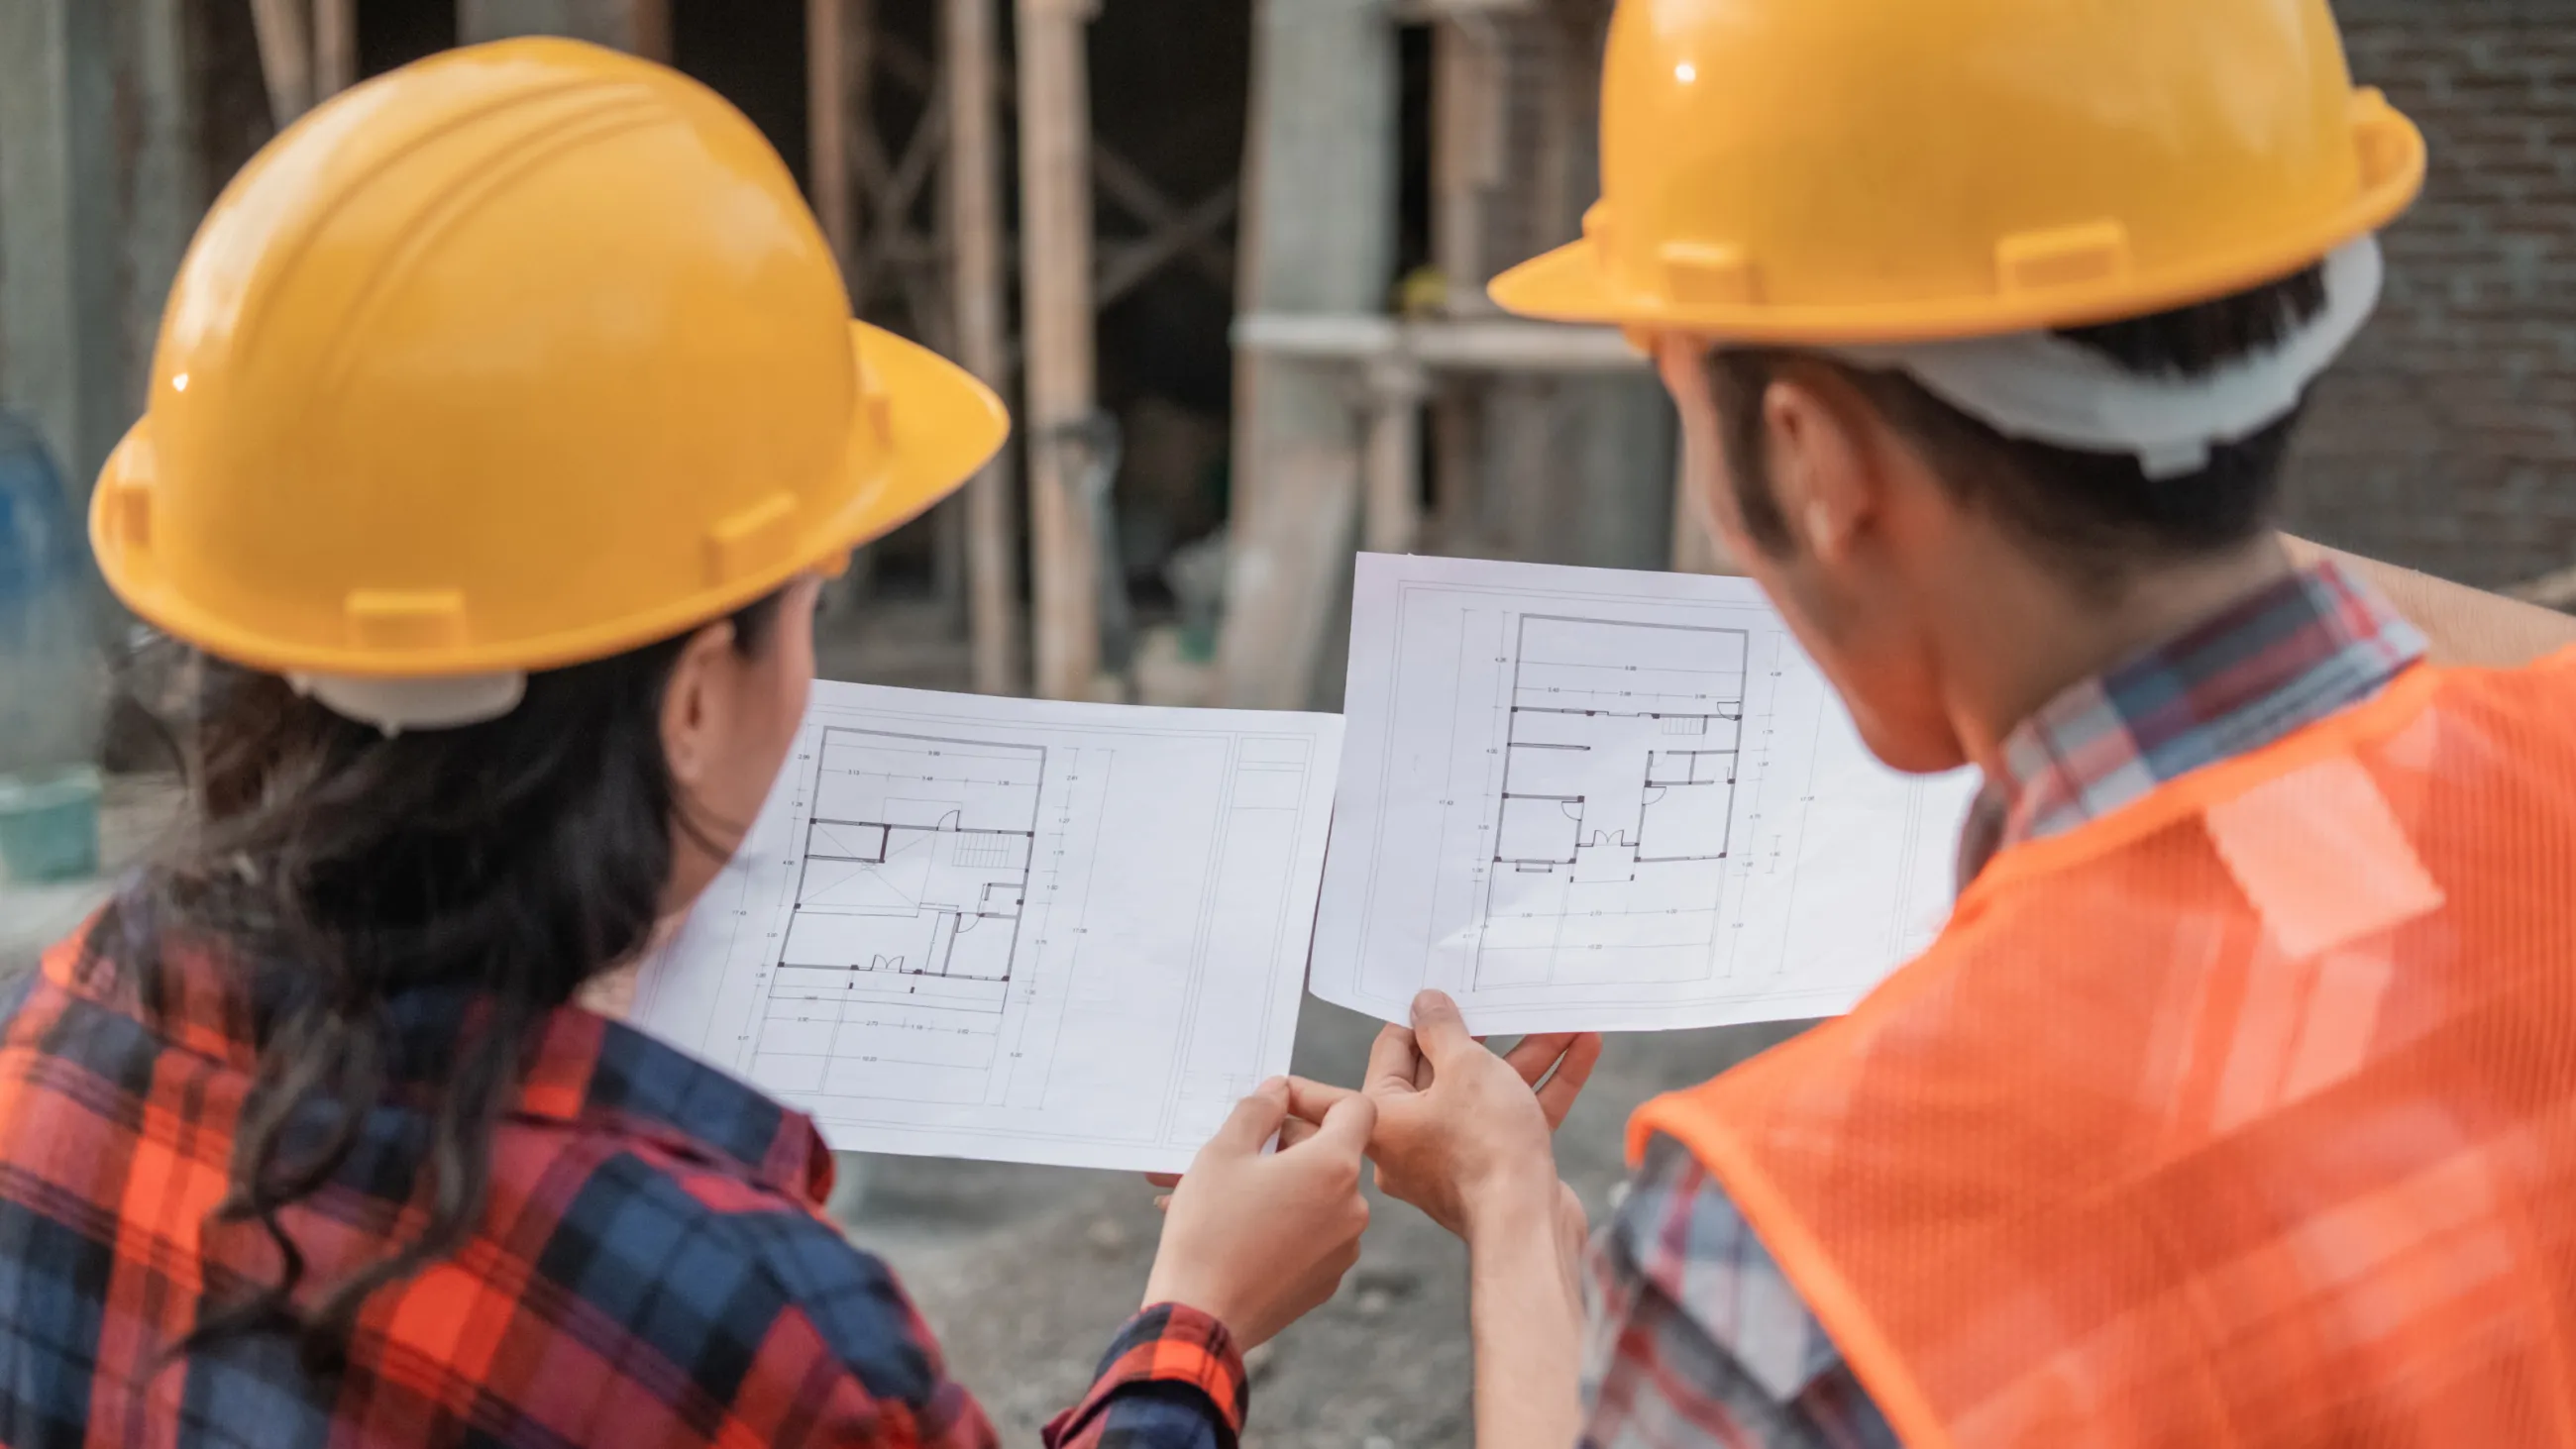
column 697, row 705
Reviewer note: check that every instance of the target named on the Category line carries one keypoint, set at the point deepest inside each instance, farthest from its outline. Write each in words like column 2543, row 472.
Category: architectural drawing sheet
column 1013, row 929
column 1583, row 799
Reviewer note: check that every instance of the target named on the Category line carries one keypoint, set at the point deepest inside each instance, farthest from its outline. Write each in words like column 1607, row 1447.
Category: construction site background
column 1225, row 258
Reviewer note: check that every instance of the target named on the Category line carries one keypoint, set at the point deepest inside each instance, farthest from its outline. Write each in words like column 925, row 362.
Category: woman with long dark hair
column 505, row 420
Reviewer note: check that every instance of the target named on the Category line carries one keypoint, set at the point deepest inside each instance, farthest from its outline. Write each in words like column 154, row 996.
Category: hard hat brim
column 1576, row 283
column 945, row 427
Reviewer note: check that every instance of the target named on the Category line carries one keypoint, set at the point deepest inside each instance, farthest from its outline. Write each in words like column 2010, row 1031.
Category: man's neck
column 2019, row 635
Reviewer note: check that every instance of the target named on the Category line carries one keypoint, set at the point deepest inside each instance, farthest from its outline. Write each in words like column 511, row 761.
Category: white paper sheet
column 1583, row 799
column 1013, row 929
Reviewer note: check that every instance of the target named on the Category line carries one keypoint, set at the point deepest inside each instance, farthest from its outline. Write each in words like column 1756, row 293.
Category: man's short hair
column 2095, row 516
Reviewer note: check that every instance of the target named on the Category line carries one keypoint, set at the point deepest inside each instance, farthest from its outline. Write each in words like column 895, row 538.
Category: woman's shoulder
column 689, row 1203
column 742, row 1286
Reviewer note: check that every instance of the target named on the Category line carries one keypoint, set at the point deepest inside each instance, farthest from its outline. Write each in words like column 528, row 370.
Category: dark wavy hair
column 335, row 869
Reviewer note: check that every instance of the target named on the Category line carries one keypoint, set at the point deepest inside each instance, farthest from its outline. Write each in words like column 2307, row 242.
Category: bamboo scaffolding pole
column 1056, row 293
column 973, row 194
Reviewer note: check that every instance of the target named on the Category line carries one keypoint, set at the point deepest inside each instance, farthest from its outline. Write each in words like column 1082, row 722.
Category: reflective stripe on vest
column 2243, row 1116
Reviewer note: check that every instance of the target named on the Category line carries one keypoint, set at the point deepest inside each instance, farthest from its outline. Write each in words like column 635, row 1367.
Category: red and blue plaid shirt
column 1697, row 1336
column 652, row 1269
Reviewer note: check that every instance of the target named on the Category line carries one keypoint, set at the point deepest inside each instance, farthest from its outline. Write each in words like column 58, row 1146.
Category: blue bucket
column 49, row 825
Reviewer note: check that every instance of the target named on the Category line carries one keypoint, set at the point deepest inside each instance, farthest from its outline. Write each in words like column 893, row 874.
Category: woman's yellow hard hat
column 524, row 355
column 1851, row 171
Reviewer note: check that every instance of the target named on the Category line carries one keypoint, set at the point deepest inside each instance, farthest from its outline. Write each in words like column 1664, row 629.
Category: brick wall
column 2447, row 438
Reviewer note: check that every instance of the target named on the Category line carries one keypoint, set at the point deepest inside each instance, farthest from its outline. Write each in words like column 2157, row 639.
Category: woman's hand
column 1463, row 1133
column 1255, row 1239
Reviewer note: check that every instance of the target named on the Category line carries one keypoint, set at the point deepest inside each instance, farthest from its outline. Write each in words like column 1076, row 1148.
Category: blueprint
column 1012, row 929
column 1587, row 799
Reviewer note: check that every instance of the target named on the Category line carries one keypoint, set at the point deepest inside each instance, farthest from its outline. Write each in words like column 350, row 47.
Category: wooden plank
column 1132, row 265
column 1466, row 157
column 1391, row 517
column 1127, row 184
column 837, row 37
column 1119, row 179
column 893, row 190
column 285, row 57
column 1456, row 443
column 973, row 194
column 1055, row 286
column 335, row 47
column 648, row 24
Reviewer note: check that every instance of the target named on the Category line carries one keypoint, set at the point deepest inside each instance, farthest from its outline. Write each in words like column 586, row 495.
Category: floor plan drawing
column 1015, row 929
column 1581, row 798
column 1616, row 801
column 917, row 858
column 909, row 899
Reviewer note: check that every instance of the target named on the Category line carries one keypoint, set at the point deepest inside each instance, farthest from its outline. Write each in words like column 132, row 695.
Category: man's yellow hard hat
column 1842, row 171
column 525, row 355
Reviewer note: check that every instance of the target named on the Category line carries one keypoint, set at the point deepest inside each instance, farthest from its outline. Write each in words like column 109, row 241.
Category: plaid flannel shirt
column 1697, row 1336
column 652, row 1269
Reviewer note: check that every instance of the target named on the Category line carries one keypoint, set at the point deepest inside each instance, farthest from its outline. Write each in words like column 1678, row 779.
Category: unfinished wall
column 2447, row 438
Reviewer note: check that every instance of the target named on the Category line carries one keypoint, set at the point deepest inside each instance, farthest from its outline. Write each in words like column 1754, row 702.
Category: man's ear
column 1823, row 468
column 695, row 704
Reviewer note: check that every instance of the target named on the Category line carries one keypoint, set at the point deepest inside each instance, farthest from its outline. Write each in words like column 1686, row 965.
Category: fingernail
column 1275, row 1086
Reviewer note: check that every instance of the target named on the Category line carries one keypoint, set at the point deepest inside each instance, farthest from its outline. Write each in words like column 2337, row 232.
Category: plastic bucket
column 49, row 824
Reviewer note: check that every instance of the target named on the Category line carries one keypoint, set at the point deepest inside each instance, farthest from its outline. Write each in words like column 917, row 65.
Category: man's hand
column 1462, row 1133
column 1255, row 1239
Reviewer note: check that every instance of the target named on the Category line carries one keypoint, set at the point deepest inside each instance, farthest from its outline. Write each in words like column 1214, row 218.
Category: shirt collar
column 2313, row 644
column 582, row 1070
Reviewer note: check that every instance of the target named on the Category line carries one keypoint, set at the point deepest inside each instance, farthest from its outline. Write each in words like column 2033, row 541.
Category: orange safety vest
column 2245, row 1115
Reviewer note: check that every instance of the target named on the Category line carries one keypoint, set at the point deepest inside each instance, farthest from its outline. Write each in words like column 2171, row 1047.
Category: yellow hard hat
column 1834, row 171
column 521, row 356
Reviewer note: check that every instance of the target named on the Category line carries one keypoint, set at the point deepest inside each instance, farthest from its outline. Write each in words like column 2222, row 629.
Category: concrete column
column 1318, row 237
